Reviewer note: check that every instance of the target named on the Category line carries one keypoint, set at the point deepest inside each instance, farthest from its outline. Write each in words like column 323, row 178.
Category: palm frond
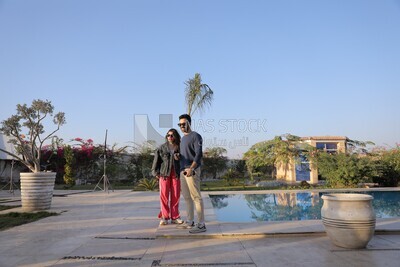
column 198, row 96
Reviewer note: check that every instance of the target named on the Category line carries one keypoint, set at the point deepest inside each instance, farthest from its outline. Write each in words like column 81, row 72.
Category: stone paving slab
column 132, row 229
column 206, row 251
column 121, row 229
column 123, row 249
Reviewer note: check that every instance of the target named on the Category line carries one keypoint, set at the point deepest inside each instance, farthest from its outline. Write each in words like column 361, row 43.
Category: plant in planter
column 69, row 176
column 27, row 134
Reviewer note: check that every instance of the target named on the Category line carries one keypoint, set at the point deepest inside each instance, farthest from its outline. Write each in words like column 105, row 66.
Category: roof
column 325, row 138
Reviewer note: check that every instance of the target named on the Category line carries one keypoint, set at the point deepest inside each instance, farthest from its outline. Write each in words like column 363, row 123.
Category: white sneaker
column 186, row 225
column 163, row 222
column 199, row 228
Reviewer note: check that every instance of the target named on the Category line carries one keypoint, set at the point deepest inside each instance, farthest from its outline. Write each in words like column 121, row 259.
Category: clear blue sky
column 301, row 67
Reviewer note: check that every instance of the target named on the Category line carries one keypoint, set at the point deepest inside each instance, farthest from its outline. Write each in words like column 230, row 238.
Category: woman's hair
column 177, row 137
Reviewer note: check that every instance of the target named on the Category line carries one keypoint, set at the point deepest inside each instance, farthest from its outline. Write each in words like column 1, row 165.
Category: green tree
column 214, row 161
column 198, row 95
column 358, row 147
column 279, row 152
column 387, row 164
column 239, row 167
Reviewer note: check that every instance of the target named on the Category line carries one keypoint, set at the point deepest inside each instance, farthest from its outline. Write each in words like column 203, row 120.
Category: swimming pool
column 291, row 206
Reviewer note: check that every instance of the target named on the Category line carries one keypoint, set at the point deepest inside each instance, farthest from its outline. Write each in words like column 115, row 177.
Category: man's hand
column 188, row 172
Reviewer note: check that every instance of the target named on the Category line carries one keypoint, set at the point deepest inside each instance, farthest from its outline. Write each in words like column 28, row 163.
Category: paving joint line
column 365, row 249
column 158, row 263
column 99, row 258
column 123, row 238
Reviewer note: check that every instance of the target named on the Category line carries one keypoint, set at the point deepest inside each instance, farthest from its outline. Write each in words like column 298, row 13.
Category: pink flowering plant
column 26, row 130
column 89, row 158
column 52, row 156
column 86, row 155
column 81, row 159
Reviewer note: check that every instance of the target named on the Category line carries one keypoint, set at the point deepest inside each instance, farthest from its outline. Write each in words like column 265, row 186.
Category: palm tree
column 198, row 95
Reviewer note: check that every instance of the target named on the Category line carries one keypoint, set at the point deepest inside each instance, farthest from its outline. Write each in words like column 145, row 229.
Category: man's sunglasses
column 182, row 124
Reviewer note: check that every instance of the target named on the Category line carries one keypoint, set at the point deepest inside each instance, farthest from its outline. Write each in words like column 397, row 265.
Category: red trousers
column 170, row 192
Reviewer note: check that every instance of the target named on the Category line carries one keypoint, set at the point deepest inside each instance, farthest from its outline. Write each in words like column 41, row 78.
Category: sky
column 308, row 68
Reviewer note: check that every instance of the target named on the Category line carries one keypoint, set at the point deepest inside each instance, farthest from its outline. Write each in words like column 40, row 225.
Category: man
column 190, row 160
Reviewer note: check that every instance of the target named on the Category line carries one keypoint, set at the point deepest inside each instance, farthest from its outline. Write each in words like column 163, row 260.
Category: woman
column 166, row 168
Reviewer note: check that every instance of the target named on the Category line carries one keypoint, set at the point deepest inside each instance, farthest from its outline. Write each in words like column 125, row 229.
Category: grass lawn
column 214, row 185
column 240, row 185
column 222, row 185
column 91, row 187
column 3, row 207
column 12, row 219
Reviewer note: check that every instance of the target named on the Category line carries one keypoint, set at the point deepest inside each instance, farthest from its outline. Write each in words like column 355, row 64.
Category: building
column 296, row 172
column 7, row 161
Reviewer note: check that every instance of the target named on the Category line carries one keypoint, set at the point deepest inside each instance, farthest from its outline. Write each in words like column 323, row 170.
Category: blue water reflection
column 291, row 206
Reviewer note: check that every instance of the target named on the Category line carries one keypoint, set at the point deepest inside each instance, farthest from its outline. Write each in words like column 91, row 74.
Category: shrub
column 387, row 167
column 69, row 176
column 304, row 184
column 148, row 184
column 342, row 170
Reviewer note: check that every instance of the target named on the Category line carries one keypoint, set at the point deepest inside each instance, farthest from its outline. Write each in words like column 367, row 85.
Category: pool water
column 291, row 206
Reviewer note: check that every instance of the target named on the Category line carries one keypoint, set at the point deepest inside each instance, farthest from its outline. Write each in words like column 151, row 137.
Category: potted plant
column 26, row 131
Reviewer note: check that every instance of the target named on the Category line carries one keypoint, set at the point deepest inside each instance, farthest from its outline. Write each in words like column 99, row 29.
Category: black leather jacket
column 163, row 160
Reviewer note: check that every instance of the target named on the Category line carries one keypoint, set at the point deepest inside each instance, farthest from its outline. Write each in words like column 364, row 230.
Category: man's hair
column 187, row 117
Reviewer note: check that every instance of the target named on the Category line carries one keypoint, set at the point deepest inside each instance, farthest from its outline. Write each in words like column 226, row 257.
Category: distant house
column 296, row 171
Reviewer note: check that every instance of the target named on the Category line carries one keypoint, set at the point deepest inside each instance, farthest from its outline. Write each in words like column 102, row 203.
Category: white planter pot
column 349, row 219
column 37, row 190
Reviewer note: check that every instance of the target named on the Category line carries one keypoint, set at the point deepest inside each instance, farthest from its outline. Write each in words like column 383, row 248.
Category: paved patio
column 121, row 229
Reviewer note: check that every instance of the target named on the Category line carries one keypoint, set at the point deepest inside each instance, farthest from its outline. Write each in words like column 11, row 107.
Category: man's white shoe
column 186, row 225
column 199, row 228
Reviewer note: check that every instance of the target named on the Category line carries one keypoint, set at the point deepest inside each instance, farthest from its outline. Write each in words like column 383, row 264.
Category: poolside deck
column 121, row 229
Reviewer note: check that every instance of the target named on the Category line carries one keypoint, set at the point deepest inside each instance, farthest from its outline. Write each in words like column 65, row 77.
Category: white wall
column 5, row 161
column 6, row 146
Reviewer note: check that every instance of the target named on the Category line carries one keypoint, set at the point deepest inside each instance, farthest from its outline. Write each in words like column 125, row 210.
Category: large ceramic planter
column 349, row 219
column 37, row 190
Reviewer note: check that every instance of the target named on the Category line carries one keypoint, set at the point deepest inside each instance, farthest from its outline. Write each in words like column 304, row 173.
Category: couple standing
column 180, row 157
